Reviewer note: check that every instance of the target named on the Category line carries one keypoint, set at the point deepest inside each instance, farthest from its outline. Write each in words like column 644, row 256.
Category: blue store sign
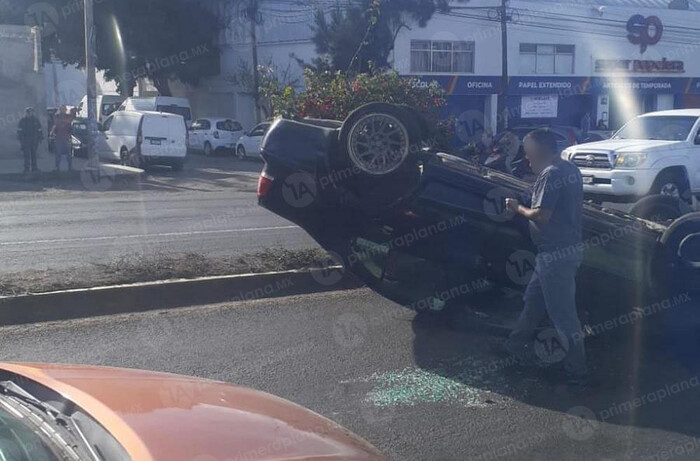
column 641, row 85
column 460, row 84
column 563, row 86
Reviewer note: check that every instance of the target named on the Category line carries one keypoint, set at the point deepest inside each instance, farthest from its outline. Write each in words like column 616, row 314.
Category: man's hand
column 512, row 205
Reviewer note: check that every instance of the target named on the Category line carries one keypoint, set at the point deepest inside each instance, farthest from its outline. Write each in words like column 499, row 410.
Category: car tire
column 241, row 153
column 364, row 138
column 672, row 184
column 680, row 257
column 658, row 208
column 208, row 151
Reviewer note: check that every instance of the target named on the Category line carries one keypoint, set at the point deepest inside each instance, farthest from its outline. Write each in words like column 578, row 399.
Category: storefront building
column 581, row 63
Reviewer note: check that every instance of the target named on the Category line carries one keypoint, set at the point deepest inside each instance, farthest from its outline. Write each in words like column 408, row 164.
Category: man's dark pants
column 552, row 291
column 29, row 149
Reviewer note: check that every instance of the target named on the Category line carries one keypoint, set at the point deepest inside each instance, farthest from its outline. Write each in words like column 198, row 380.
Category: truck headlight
column 566, row 155
column 630, row 160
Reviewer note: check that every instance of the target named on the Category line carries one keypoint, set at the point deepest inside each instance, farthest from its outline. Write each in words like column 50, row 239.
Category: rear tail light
column 264, row 184
column 216, row 135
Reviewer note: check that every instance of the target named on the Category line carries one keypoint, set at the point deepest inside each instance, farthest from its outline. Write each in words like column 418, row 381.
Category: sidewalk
column 12, row 164
column 82, row 178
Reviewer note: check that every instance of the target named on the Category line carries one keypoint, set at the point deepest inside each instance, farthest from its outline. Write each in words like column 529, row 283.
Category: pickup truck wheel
column 379, row 137
column 658, row 208
column 671, row 184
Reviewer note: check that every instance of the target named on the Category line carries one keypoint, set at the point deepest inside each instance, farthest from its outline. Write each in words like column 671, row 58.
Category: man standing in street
column 30, row 136
column 61, row 133
column 555, row 227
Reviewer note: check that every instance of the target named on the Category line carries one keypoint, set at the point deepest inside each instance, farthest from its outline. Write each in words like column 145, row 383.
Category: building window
column 442, row 56
column 546, row 59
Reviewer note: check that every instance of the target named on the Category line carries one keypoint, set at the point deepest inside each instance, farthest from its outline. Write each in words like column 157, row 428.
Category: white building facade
column 570, row 62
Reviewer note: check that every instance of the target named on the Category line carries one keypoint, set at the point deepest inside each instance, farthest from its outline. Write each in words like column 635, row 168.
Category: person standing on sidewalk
column 62, row 132
column 555, row 217
column 30, row 136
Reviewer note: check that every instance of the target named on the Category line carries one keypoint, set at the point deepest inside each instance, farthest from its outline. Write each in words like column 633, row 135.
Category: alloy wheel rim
column 671, row 190
column 378, row 144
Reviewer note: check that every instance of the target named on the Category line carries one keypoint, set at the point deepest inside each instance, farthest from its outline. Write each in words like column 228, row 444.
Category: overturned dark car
column 417, row 225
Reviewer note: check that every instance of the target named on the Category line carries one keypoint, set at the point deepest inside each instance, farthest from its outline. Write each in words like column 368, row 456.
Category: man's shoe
column 522, row 353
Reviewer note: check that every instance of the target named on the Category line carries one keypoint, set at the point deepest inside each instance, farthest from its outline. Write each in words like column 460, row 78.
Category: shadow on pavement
column 646, row 373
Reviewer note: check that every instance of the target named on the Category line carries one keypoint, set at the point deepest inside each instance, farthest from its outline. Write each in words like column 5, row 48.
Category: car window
column 666, row 128
column 260, row 130
column 107, row 124
column 109, row 108
column 235, row 126
column 223, row 125
column 19, row 442
column 176, row 110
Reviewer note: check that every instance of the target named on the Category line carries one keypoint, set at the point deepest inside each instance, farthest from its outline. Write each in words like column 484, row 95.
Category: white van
column 106, row 103
column 167, row 104
column 144, row 138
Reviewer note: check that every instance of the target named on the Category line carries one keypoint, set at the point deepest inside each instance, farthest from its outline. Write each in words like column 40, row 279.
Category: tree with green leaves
column 355, row 36
column 162, row 40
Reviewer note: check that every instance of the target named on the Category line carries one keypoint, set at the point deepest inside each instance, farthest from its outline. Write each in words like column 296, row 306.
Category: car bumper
column 618, row 182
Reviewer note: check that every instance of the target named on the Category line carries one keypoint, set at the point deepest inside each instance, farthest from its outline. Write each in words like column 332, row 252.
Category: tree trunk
column 162, row 84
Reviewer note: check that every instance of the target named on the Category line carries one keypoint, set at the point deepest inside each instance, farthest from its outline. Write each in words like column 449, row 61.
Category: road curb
column 170, row 294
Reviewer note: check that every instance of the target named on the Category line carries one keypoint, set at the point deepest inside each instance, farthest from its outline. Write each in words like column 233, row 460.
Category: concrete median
column 170, row 294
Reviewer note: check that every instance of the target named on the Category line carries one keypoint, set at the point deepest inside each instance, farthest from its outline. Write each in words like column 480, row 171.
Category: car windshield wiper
column 50, row 414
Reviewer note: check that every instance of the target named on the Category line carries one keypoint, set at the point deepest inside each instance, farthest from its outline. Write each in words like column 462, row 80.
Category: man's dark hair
column 545, row 138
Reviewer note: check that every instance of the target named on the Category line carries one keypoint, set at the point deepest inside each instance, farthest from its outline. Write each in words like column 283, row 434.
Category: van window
column 177, row 110
column 109, row 108
column 123, row 125
column 107, row 124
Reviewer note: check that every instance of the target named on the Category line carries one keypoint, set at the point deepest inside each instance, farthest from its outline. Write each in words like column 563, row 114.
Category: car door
column 236, row 131
column 255, row 138
column 195, row 142
column 205, row 134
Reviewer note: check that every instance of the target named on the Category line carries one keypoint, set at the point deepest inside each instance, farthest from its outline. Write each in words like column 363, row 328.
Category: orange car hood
column 161, row 416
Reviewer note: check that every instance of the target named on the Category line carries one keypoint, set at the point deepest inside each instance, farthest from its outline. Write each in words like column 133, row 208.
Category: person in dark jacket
column 30, row 136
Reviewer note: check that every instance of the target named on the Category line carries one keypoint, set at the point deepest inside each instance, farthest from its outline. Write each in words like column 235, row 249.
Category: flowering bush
column 333, row 95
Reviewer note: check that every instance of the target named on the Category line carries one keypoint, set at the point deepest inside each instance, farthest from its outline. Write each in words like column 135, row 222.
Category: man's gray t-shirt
column 559, row 188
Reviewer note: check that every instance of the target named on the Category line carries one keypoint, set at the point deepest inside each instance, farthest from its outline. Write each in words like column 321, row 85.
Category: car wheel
column 680, row 245
column 241, row 153
column 378, row 138
column 658, row 208
column 671, row 184
column 208, row 151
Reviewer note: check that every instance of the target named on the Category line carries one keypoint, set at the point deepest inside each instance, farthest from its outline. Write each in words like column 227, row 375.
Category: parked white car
column 144, row 138
column 655, row 153
column 249, row 144
column 106, row 105
column 208, row 135
column 167, row 104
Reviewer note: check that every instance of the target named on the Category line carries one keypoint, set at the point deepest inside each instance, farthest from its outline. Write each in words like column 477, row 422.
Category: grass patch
column 141, row 268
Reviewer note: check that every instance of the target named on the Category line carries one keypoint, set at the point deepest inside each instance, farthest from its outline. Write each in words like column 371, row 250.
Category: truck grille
column 591, row 160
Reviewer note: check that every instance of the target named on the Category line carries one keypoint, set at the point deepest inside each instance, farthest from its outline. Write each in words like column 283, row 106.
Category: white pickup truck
column 655, row 153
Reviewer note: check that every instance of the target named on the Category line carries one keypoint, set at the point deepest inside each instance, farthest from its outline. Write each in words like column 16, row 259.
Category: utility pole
column 90, row 60
column 253, row 16
column 503, row 101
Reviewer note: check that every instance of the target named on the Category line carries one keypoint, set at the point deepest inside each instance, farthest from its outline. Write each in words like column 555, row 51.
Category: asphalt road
column 418, row 389
column 209, row 209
